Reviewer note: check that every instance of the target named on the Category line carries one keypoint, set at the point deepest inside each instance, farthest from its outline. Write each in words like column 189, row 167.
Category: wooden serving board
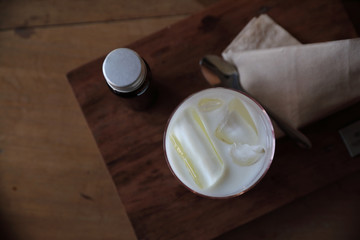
column 158, row 206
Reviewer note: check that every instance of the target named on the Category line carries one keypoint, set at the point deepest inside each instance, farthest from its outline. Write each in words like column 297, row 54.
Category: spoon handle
column 293, row 133
column 218, row 71
column 290, row 131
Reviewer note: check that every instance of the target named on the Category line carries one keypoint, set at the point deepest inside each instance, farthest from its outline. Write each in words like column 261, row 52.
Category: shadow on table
column 7, row 231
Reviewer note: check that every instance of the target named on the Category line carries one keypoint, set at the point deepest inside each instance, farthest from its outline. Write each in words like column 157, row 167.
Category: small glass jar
column 129, row 76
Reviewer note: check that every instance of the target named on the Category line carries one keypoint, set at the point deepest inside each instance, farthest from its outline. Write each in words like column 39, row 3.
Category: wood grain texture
column 331, row 213
column 53, row 180
column 24, row 14
column 131, row 142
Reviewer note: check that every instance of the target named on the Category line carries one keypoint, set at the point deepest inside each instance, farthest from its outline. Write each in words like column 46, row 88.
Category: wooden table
column 53, row 181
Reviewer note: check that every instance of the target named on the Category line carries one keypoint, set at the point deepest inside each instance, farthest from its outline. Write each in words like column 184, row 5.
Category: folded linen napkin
column 300, row 83
column 260, row 33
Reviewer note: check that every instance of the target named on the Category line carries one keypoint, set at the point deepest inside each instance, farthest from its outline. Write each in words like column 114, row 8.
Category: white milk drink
column 219, row 143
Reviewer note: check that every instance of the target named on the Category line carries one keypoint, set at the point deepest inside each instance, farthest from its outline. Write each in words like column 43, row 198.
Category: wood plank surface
column 24, row 14
column 53, row 184
column 131, row 142
column 53, row 180
column 331, row 213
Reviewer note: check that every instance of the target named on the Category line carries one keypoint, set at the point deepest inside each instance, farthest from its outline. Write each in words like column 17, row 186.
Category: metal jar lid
column 124, row 70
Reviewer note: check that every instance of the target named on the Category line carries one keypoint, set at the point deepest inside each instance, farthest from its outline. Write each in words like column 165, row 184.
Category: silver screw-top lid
column 124, row 70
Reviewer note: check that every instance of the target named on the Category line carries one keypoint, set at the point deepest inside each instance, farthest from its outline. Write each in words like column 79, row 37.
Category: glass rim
column 268, row 164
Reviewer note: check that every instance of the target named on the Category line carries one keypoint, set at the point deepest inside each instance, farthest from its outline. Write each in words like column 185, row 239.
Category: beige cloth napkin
column 300, row 83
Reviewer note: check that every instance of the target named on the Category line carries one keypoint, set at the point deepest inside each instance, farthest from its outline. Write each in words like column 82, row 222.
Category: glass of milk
column 219, row 143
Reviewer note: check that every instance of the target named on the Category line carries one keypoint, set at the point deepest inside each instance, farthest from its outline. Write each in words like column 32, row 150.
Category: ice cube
column 236, row 105
column 209, row 104
column 245, row 154
column 234, row 129
column 195, row 149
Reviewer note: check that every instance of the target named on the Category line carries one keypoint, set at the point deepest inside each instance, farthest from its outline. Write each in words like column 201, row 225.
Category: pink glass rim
column 250, row 187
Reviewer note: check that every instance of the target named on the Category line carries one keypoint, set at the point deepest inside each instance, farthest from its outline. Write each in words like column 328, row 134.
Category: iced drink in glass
column 219, row 143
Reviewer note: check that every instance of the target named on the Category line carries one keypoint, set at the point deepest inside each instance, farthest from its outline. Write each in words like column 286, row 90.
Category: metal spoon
column 217, row 71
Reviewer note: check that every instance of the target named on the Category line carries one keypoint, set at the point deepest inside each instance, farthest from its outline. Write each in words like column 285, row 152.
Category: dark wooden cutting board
column 158, row 206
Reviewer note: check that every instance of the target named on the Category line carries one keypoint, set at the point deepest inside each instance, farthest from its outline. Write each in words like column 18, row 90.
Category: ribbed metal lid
column 124, row 70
